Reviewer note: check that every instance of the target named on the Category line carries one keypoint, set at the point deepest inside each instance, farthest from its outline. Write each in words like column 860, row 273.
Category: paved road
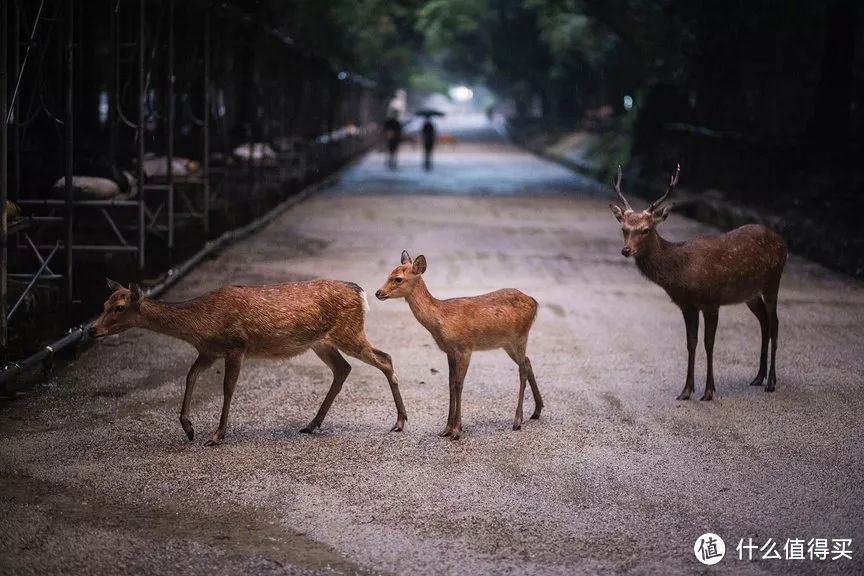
column 617, row 476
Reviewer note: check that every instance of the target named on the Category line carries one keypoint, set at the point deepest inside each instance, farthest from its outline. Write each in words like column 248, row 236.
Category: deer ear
column 419, row 265
column 112, row 285
column 135, row 291
column 406, row 259
column 660, row 214
column 619, row 214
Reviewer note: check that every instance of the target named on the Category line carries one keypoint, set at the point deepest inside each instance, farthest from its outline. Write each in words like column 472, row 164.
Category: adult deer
column 277, row 321
column 702, row 274
column 500, row 319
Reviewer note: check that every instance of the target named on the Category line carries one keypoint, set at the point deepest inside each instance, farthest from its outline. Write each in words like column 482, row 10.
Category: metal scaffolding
column 278, row 96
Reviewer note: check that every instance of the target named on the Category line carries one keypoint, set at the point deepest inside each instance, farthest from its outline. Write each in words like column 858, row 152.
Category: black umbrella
column 428, row 112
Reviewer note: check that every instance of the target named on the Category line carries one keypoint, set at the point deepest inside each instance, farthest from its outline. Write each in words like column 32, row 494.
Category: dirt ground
column 97, row 476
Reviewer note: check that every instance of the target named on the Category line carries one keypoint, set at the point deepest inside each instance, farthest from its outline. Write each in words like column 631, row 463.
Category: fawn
column 277, row 321
column 500, row 319
column 702, row 274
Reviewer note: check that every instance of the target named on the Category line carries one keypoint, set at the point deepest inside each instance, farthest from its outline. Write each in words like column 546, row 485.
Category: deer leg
column 518, row 355
column 360, row 348
column 535, row 390
column 386, row 366
column 523, row 379
column 451, row 410
column 691, row 320
column 462, row 362
column 340, row 368
column 757, row 306
column 774, row 325
column 233, row 363
column 201, row 363
column 710, row 331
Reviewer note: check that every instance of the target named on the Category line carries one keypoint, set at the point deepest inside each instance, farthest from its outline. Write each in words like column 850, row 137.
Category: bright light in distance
column 103, row 107
column 461, row 93
column 342, row 75
column 628, row 102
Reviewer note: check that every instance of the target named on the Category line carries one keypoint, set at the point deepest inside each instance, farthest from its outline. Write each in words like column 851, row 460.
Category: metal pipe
column 206, row 159
column 68, row 125
column 16, row 111
column 33, row 281
column 142, row 40
column 115, row 79
column 4, row 224
column 170, row 158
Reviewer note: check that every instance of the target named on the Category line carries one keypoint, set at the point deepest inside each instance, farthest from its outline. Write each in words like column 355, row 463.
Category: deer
column 705, row 273
column 461, row 326
column 273, row 321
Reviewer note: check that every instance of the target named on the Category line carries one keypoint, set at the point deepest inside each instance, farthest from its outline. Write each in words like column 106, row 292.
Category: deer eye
column 644, row 231
column 121, row 308
column 397, row 280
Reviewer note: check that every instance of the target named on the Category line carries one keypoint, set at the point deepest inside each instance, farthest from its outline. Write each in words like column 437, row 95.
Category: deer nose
column 91, row 331
column 625, row 251
column 379, row 295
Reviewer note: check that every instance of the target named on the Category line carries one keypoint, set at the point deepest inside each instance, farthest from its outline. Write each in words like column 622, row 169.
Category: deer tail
column 360, row 292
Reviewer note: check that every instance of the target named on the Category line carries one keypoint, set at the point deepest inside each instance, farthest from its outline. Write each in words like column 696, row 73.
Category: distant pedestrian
column 428, row 143
column 393, row 135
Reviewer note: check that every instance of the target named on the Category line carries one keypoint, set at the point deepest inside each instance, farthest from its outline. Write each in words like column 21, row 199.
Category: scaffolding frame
column 62, row 211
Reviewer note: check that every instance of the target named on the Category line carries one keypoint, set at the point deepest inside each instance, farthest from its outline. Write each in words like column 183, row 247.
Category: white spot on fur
column 365, row 301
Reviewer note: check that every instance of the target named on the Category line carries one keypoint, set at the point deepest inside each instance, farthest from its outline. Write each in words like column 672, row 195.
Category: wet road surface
column 96, row 474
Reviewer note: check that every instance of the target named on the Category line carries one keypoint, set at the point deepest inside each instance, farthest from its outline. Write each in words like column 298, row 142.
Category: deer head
column 403, row 278
column 640, row 227
column 120, row 312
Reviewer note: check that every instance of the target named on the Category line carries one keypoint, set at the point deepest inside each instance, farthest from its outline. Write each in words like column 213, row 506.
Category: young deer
column 702, row 274
column 277, row 321
column 500, row 319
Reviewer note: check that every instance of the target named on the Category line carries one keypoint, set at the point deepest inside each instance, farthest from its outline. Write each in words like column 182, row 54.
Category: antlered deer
column 277, row 321
column 702, row 274
column 500, row 319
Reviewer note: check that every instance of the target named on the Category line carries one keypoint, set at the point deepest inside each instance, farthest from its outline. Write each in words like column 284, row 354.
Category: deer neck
column 424, row 306
column 177, row 320
column 661, row 261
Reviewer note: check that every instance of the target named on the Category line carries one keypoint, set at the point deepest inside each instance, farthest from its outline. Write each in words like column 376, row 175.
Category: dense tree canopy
column 759, row 71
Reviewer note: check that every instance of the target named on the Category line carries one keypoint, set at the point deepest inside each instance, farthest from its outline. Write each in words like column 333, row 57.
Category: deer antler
column 617, row 186
column 673, row 181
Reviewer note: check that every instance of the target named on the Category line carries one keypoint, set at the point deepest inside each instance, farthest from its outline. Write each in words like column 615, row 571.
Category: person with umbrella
column 428, row 133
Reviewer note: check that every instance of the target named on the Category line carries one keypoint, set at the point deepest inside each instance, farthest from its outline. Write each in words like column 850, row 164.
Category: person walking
column 428, row 143
column 393, row 135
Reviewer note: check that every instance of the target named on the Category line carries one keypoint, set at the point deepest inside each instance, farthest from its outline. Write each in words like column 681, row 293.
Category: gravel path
column 96, row 474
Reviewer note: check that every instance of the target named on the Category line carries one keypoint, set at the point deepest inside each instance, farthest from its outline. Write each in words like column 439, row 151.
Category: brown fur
column 500, row 319
column 277, row 321
column 702, row 274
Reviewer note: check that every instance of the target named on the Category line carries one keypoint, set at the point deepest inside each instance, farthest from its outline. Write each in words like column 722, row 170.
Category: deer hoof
column 535, row 415
column 769, row 388
column 456, row 436
column 683, row 396
column 446, row 433
column 706, row 397
column 757, row 381
column 213, row 442
column 308, row 429
column 396, row 428
column 517, row 426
